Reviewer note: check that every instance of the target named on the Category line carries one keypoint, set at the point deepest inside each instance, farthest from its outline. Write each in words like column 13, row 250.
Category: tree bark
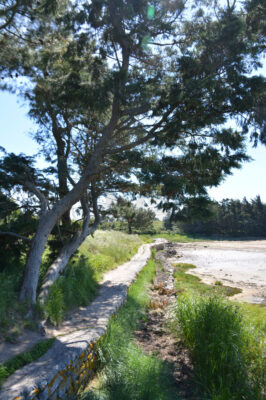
column 50, row 218
column 61, row 261
column 62, row 154
column 31, row 272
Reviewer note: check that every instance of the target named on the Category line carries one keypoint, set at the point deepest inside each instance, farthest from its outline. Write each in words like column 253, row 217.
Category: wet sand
column 235, row 263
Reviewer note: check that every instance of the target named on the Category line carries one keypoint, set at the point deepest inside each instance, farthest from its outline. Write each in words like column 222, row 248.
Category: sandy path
column 235, row 263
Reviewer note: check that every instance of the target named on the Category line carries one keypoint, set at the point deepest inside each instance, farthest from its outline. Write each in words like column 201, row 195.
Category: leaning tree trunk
column 31, row 272
column 50, row 218
column 47, row 221
column 61, row 261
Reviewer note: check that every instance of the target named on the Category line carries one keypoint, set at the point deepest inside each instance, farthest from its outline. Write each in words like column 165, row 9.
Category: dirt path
column 153, row 335
column 235, row 263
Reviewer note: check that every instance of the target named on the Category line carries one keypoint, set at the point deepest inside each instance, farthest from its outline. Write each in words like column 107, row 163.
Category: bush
column 214, row 331
column 9, row 305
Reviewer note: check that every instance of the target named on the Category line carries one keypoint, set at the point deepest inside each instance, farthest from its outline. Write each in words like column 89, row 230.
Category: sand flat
column 235, row 263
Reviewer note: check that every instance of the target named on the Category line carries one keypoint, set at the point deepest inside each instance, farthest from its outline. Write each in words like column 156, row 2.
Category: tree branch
column 15, row 235
column 144, row 139
column 97, row 217
column 32, row 188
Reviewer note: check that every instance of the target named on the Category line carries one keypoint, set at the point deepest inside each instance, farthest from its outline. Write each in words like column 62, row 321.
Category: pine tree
column 130, row 80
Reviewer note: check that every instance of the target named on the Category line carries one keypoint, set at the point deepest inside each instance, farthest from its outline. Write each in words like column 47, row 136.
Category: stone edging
column 70, row 362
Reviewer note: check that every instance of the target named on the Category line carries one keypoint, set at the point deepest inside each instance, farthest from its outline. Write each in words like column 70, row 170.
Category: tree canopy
column 138, row 218
column 130, row 96
column 228, row 217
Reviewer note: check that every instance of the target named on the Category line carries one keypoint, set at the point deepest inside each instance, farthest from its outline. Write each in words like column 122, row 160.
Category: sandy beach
column 235, row 263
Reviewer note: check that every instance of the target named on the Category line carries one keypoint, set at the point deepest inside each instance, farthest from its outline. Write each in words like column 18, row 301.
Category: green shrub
column 100, row 263
column 220, row 345
column 10, row 307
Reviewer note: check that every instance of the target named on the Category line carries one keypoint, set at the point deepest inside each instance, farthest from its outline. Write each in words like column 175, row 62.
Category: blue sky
column 15, row 137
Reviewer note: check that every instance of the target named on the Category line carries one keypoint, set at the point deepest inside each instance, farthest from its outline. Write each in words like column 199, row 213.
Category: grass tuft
column 225, row 352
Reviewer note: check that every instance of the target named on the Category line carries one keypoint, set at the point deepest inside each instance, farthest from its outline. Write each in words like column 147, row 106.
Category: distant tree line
column 226, row 218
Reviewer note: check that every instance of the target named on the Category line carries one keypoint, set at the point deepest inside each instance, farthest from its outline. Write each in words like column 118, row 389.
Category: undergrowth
column 128, row 373
column 76, row 288
column 22, row 359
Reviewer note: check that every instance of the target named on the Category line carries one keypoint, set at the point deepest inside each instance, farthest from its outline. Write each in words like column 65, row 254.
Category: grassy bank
column 185, row 282
column 79, row 284
column 108, row 249
column 128, row 373
column 225, row 339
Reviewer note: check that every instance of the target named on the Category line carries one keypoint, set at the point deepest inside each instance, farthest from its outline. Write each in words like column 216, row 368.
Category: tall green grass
column 108, row 249
column 76, row 288
column 79, row 284
column 226, row 351
column 128, row 373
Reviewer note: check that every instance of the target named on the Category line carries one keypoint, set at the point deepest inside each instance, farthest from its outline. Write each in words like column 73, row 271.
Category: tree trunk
column 32, row 268
column 50, row 218
column 61, row 261
column 63, row 189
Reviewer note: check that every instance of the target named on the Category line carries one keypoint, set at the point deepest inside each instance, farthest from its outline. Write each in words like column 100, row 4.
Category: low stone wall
column 70, row 363
column 58, row 375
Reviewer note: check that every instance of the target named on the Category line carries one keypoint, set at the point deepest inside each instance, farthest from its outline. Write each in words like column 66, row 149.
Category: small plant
column 218, row 283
